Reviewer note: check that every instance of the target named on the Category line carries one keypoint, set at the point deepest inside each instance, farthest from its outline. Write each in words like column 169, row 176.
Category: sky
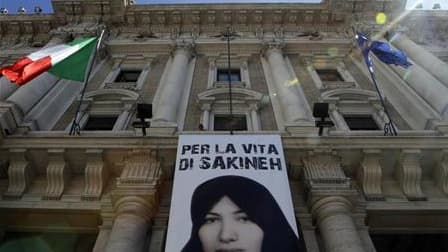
column 13, row 5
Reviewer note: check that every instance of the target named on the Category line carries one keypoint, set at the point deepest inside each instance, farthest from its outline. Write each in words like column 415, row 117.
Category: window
column 128, row 76
column 223, row 75
column 226, row 122
column 100, row 123
column 360, row 122
column 329, row 75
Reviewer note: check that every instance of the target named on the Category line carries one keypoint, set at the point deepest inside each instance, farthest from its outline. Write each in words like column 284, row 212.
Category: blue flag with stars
column 383, row 51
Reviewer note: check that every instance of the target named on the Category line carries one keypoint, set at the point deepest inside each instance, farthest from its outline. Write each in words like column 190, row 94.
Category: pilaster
column 409, row 174
column 57, row 174
column 19, row 172
column 369, row 175
column 95, row 175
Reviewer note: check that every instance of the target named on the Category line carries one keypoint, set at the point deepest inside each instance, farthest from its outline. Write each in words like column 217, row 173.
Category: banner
column 231, row 193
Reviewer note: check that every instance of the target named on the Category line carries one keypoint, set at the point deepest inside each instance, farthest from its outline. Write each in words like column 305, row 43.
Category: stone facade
column 114, row 185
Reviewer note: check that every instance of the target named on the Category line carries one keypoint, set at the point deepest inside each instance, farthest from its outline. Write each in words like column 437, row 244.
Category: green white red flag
column 67, row 61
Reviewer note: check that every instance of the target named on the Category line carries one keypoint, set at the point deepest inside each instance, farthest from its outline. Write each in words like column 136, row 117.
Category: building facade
column 108, row 188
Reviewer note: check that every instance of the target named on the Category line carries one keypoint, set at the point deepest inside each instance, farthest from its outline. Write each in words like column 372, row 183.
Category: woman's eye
column 243, row 218
column 210, row 220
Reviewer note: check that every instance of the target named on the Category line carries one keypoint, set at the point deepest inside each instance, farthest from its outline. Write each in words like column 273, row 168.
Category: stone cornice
column 126, row 141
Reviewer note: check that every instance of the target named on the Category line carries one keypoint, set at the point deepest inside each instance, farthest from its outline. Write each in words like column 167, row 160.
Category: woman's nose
column 227, row 232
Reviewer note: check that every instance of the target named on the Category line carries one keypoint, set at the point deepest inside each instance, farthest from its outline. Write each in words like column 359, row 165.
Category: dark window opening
column 128, row 76
column 329, row 75
column 223, row 75
column 361, row 122
column 225, row 122
column 410, row 242
column 100, row 123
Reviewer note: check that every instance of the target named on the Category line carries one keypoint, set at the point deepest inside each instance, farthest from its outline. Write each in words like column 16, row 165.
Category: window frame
column 212, row 121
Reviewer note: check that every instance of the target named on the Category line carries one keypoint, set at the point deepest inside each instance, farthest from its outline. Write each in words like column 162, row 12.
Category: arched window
column 355, row 110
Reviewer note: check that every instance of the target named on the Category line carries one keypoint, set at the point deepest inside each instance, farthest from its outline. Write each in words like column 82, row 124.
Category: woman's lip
column 231, row 250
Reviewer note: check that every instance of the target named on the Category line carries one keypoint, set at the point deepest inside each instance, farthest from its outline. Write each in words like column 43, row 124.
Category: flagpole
column 389, row 128
column 75, row 129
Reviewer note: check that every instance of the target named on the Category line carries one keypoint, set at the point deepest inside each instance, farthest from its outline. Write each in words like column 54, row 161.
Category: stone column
column 172, row 89
column 426, row 85
column 205, row 120
column 254, row 117
column 101, row 239
column 131, row 225
column 135, row 200
column 422, row 57
column 6, row 88
column 28, row 95
column 290, row 95
column 336, row 225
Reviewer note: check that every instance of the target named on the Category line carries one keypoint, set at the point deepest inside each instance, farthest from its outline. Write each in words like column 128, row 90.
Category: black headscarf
column 253, row 199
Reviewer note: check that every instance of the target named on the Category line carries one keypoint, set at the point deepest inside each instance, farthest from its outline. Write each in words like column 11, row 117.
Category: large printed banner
column 231, row 193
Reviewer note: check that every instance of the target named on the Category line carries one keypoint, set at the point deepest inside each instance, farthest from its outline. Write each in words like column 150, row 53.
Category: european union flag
column 382, row 50
column 389, row 55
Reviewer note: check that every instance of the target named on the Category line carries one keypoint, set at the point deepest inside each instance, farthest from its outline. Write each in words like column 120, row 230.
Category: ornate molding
column 324, row 169
column 272, row 46
column 369, row 175
column 409, row 174
column 143, row 206
column 441, row 172
column 331, row 206
column 182, row 46
column 19, row 173
column 95, row 175
column 141, row 167
column 57, row 174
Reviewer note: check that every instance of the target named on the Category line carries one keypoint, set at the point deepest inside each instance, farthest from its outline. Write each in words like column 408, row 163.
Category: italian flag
column 67, row 61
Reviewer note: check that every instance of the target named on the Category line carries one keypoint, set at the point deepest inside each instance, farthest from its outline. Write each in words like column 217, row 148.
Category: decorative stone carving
column 227, row 17
column 278, row 17
column 95, row 175
column 441, row 172
column 369, row 175
column 242, row 17
column 140, row 167
column 196, row 17
column 258, row 17
column 409, row 174
column 160, row 17
column 292, row 17
column 176, row 17
column 324, row 168
column 19, row 173
column 57, row 174
column 211, row 18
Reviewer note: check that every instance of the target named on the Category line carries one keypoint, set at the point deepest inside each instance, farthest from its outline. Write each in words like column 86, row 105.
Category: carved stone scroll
column 409, row 173
column 140, row 167
column 369, row 175
column 95, row 175
column 57, row 174
column 19, row 173
column 441, row 172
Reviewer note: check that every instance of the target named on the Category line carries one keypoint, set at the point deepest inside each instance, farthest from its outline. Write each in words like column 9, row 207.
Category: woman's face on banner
column 228, row 228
